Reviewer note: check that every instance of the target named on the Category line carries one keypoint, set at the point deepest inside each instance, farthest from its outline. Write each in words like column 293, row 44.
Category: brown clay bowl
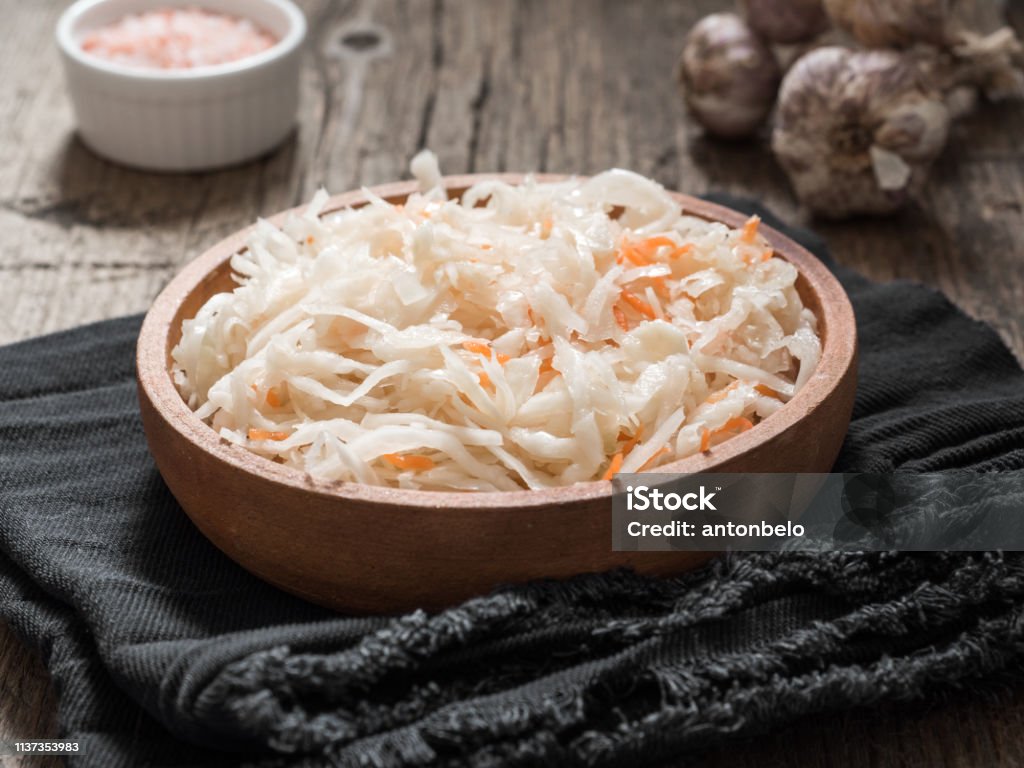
column 372, row 549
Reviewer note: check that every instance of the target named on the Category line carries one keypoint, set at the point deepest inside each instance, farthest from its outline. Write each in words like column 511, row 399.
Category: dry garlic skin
column 522, row 337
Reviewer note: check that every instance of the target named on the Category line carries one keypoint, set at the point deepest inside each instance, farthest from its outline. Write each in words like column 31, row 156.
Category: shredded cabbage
column 521, row 337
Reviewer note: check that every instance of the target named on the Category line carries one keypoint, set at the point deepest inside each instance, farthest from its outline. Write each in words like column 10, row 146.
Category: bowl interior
column 819, row 290
column 279, row 17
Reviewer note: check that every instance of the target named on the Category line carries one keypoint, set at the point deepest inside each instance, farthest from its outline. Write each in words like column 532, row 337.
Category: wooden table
column 562, row 87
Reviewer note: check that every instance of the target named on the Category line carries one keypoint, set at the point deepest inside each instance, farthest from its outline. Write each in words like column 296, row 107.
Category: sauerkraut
column 522, row 337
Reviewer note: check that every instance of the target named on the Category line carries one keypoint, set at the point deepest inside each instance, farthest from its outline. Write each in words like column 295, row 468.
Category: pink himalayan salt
column 177, row 38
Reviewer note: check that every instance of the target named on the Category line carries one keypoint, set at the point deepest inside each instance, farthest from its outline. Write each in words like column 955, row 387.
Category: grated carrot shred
column 660, row 287
column 266, row 434
column 641, row 253
column 274, row 399
column 547, row 365
column 645, row 249
column 720, row 395
column 480, row 348
column 750, row 230
column 766, row 255
column 657, row 454
column 485, row 380
column 739, row 423
column 613, row 468
column 620, row 318
column 768, row 391
column 638, row 304
column 681, row 251
column 412, row 461
column 634, row 255
column 477, row 348
column 631, row 441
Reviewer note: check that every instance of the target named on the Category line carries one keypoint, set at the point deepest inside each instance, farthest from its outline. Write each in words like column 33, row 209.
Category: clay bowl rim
column 835, row 316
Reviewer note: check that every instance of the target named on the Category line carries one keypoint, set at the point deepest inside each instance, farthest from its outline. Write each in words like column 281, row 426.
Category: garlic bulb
column 882, row 23
column 973, row 47
column 856, row 131
column 785, row 21
column 728, row 75
column 900, row 23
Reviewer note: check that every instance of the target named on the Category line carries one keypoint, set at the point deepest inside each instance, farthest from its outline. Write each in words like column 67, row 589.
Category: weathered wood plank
column 27, row 701
column 575, row 86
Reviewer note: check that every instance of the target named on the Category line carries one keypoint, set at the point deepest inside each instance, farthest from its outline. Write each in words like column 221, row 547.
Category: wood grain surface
column 567, row 86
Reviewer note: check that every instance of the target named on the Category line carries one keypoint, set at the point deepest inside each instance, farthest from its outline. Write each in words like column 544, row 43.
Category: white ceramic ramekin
column 186, row 119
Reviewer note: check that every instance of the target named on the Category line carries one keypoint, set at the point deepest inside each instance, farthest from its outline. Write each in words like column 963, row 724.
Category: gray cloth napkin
column 165, row 653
